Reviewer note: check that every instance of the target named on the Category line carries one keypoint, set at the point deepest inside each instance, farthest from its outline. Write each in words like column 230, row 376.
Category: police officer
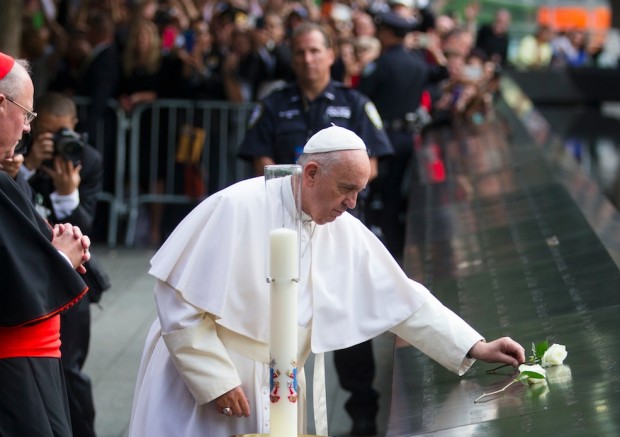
column 283, row 122
column 277, row 132
column 395, row 82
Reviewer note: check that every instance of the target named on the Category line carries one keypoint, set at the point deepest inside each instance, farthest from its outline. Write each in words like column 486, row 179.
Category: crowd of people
column 546, row 49
column 219, row 50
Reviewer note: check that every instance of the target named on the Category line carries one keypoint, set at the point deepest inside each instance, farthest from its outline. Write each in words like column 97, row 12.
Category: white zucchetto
column 332, row 139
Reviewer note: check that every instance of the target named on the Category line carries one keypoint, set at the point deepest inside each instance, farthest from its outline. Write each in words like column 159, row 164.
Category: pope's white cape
column 215, row 259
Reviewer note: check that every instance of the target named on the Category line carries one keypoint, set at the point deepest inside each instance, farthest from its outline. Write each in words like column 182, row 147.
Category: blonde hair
column 152, row 59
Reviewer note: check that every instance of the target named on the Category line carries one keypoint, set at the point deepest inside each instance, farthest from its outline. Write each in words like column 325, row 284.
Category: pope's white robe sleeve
column 439, row 333
column 197, row 352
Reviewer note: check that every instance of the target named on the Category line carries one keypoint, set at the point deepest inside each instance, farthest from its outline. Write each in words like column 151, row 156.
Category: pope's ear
column 310, row 172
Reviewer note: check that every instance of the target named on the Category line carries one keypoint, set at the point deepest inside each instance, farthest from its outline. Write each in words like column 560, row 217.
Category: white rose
column 554, row 356
column 534, row 373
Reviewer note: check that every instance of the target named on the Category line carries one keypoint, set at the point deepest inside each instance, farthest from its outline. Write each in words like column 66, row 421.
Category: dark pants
column 392, row 185
column 356, row 371
column 75, row 337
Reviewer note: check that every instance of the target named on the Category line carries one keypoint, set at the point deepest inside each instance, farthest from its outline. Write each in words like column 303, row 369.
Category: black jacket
column 37, row 282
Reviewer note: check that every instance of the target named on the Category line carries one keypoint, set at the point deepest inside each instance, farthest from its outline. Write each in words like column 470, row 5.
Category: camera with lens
column 69, row 144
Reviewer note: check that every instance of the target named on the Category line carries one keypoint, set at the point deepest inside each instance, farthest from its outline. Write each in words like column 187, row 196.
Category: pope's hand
column 503, row 350
column 233, row 403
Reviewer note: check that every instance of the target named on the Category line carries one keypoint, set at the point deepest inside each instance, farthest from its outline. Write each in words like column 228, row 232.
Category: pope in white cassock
column 205, row 370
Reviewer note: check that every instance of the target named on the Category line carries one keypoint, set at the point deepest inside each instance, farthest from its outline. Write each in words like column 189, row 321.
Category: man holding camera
column 66, row 175
column 64, row 172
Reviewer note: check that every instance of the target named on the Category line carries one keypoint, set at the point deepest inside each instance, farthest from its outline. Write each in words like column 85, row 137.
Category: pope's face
column 328, row 194
column 12, row 119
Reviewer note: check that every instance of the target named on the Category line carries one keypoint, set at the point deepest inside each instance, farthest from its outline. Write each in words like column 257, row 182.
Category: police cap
column 396, row 22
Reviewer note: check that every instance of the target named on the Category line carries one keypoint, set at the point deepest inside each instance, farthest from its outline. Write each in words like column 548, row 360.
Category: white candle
column 284, row 262
column 283, row 268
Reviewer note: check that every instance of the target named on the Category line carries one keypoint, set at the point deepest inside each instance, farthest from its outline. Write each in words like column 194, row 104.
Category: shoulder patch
column 373, row 115
column 255, row 116
column 369, row 69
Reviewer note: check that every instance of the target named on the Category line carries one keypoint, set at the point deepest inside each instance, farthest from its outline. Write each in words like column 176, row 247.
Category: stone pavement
column 120, row 324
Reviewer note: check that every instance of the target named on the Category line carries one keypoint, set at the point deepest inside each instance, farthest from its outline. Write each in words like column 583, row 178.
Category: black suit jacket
column 99, row 80
column 83, row 215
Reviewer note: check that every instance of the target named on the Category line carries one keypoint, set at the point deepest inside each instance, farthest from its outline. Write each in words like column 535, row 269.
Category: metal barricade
column 160, row 169
column 110, row 140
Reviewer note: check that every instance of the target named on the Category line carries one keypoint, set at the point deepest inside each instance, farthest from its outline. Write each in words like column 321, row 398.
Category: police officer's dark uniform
column 279, row 128
column 395, row 82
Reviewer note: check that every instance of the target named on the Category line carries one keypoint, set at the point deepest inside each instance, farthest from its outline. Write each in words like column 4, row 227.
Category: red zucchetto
column 6, row 63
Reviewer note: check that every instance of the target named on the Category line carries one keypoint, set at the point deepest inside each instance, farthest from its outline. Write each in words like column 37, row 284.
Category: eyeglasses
column 28, row 114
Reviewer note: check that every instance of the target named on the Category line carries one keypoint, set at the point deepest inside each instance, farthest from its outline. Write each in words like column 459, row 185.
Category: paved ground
column 119, row 327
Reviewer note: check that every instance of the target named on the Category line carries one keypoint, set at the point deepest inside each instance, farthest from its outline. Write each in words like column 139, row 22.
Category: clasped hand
column 70, row 241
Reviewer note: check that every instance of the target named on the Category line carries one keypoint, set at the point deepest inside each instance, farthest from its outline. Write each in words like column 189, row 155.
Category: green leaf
column 540, row 349
column 531, row 374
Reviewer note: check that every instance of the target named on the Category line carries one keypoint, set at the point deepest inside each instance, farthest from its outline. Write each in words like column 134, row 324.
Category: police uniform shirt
column 395, row 82
column 280, row 126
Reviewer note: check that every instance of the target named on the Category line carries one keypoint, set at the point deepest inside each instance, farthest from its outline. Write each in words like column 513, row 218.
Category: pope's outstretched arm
column 198, row 353
column 442, row 335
